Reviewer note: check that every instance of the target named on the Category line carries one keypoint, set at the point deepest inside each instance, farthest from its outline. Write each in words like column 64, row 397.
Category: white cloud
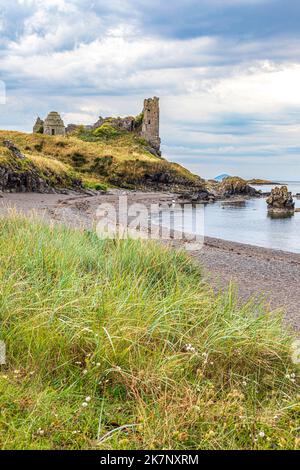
column 2, row 93
column 68, row 57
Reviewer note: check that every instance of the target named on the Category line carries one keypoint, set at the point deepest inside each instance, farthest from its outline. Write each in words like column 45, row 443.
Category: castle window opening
column 53, row 131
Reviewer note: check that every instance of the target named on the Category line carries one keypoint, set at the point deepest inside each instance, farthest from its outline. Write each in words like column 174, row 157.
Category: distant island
column 256, row 181
column 261, row 182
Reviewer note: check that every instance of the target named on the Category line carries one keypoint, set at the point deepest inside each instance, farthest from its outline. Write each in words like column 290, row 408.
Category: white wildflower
column 261, row 434
column 88, row 399
column 190, row 348
column 291, row 377
column 84, row 404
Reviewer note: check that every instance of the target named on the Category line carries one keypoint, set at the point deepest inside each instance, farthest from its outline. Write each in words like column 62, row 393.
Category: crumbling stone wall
column 38, row 126
column 146, row 124
column 150, row 125
column 125, row 124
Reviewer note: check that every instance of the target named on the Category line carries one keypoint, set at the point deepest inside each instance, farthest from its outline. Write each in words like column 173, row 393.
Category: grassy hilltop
column 121, row 345
column 100, row 158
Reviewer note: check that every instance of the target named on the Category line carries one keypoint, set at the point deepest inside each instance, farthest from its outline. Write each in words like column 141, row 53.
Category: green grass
column 107, row 131
column 111, row 320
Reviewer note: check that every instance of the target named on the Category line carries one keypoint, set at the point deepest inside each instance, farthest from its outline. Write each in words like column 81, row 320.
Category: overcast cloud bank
column 227, row 73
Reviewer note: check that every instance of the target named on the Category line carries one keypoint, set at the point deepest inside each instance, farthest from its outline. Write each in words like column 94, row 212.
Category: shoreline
column 272, row 276
column 269, row 276
column 252, row 250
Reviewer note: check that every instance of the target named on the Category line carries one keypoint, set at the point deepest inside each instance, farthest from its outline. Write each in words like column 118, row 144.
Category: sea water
column 249, row 222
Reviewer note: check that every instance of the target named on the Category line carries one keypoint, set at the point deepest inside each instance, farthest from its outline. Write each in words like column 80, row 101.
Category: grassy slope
column 110, row 320
column 86, row 154
column 54, row 172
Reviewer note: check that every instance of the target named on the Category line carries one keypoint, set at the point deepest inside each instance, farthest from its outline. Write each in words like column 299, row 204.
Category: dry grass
column 49, row 164
column 122, row 148
column 129, row 154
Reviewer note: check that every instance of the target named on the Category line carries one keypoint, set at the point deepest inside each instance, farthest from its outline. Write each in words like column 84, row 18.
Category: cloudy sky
column 227, row 73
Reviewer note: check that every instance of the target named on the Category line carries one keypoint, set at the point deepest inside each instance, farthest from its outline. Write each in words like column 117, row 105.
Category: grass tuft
column 121, row 345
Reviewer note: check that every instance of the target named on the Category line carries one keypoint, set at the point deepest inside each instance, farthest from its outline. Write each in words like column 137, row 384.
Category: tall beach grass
column 121, row 345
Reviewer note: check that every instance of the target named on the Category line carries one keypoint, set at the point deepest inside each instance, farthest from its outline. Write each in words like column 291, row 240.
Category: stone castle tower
column 53, row 125
column 150, row 125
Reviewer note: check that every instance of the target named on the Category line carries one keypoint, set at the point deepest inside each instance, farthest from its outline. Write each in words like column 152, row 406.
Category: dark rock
column 235, row 186
column 12, row 180
column 17, row 176
column 280, row 200
column 200, row 195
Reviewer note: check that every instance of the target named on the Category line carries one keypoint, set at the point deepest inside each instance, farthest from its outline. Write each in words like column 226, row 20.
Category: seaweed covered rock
column 281, row 200
column 200, row 194
column 235, row 186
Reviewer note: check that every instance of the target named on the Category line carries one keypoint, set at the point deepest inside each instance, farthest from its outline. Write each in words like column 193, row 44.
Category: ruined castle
column 146, row 125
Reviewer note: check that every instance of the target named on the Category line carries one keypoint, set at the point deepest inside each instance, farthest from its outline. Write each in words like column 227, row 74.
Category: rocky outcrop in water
column 281, row 200
column 235, row 186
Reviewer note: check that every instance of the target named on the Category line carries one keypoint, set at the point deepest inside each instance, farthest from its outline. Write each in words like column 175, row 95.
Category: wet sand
column 270, row 275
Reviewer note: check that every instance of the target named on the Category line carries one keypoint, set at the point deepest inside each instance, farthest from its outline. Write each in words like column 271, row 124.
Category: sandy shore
column 273, row 276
